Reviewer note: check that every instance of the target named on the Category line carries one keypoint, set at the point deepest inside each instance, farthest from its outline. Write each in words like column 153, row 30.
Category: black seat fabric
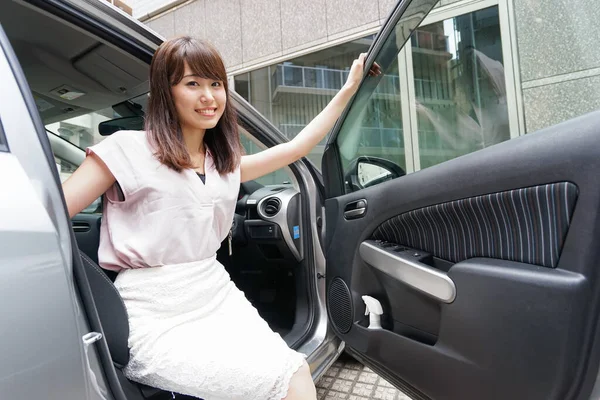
column 111, row 310
column 114, row 320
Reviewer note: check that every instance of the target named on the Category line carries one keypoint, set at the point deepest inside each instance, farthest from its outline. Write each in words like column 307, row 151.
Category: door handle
column 422, row 277
column 89, row 339
column 355, row 209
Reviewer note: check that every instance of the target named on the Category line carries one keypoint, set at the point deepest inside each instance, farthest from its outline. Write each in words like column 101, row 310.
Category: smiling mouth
column 209, row 112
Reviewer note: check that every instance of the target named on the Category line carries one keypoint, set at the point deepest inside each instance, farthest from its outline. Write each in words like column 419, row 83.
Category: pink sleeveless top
column 167, row 217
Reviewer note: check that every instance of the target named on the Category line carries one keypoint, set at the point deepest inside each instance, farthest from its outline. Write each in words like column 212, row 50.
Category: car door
column 44, row 338
column 484, row 262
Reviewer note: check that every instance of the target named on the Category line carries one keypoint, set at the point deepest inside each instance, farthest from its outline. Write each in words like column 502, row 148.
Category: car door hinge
column 320, row 275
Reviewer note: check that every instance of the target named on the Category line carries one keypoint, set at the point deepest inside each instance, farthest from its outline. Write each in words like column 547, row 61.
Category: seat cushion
column 111, row 310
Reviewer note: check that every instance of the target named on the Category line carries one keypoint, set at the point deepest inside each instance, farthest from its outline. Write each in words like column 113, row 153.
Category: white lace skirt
column 191, row 331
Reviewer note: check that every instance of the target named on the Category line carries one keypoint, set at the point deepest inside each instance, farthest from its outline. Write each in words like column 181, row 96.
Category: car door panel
column 29, row 247
column 44, row 354
column 513, row 228
column 527, row 225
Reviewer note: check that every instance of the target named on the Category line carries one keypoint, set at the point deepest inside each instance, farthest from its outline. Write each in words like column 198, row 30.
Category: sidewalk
column 349, row 379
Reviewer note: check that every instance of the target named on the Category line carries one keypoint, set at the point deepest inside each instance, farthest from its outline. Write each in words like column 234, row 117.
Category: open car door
column 485, row 265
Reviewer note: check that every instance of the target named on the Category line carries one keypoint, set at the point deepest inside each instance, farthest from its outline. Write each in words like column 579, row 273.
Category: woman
column 170, row 197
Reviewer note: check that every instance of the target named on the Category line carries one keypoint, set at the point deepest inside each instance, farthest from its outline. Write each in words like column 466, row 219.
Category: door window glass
column 442, row 97
column 460, row 90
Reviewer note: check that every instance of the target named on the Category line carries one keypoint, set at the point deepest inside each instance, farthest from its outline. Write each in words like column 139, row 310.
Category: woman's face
column 199, row 102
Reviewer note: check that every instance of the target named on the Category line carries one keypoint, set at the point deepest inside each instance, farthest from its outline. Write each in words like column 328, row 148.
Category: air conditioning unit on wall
column 122, row 5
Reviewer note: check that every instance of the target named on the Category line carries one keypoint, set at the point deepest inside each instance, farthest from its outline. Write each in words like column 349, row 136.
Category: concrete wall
column 251, row 31
column 144, row 7
column 559, row 58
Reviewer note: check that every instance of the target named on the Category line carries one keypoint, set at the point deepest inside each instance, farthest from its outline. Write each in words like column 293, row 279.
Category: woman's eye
column 216, row 84
column 192, row 83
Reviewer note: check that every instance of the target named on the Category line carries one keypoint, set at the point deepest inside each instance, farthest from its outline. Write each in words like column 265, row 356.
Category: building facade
column 476, row 73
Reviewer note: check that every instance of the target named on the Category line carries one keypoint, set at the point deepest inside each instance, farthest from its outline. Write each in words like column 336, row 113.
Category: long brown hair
column 162, row 124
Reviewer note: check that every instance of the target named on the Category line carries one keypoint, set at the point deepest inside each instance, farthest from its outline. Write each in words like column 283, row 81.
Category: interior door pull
column 356, row 209
column 422, row 277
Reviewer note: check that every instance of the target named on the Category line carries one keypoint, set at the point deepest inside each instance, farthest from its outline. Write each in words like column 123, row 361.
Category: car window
column 82, row 131
column 442, row 96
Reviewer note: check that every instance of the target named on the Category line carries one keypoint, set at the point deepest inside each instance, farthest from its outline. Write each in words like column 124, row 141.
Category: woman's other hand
column 356, row 71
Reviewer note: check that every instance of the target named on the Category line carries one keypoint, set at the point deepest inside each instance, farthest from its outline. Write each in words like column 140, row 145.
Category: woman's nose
column 206, row 96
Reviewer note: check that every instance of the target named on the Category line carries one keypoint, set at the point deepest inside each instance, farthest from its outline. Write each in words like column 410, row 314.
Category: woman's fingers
column 356, row 70
column 375, row 70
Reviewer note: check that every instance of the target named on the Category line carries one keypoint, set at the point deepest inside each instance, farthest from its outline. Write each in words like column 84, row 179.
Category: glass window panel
column 459, row 96
column 373, row 127
column 292, row 75
column 459, row 86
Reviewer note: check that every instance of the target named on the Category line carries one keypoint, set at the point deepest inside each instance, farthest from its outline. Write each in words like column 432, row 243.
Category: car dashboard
column 270, row 218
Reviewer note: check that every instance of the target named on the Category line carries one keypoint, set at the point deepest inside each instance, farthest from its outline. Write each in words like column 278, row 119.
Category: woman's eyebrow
column 200, row 76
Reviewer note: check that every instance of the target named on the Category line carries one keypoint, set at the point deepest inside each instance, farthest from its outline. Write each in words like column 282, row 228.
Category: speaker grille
column 339, row 304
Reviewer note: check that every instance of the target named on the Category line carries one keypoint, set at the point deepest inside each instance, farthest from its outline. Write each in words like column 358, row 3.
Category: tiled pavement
column 349, row 379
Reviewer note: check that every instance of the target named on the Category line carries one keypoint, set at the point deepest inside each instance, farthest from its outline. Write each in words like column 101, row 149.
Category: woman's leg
column 301, row 385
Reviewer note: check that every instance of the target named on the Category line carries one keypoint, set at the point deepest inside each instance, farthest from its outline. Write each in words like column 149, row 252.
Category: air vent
column 271, row 206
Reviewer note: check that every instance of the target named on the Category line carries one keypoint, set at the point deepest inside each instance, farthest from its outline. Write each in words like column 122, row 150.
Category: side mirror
column 369, row 171
column 109, row 127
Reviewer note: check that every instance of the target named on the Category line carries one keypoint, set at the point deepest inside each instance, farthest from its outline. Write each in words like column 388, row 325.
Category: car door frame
column 320, row 343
